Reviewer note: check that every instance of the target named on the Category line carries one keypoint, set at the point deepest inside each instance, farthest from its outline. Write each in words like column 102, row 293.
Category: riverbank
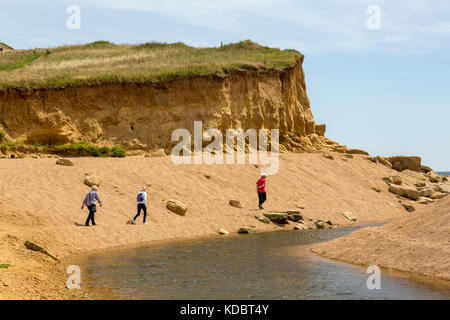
column 40, row 202
column 419, row 243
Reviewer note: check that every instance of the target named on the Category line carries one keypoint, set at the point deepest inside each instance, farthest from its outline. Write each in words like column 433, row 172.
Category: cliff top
column 5, row 46
column 104, row 62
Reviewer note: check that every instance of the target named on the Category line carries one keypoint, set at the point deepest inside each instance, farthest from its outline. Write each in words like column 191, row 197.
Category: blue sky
column 384, row 90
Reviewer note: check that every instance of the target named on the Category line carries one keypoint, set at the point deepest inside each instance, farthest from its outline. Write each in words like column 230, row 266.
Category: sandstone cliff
column 143, row 116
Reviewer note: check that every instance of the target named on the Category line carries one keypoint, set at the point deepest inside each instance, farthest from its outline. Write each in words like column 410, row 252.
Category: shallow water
column 275, row 265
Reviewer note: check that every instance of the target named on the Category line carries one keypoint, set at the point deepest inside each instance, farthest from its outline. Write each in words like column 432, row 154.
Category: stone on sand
column 92, row 180
column 349, row 215
column 277, row 217
column 64, row 162
column 236, row 204
column 405, row 191
column 177, row 207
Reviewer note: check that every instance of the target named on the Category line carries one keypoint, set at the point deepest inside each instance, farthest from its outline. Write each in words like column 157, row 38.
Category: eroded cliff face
column 143, row 116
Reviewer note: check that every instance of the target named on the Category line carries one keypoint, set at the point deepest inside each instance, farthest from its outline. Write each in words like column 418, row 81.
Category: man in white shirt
column 141, row 205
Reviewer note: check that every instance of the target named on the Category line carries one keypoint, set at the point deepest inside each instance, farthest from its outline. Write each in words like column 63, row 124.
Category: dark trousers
column 140, row 207
column 262, row 198
column 92, row 210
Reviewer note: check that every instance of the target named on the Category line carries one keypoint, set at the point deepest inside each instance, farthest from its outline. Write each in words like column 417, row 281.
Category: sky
column 377, row 72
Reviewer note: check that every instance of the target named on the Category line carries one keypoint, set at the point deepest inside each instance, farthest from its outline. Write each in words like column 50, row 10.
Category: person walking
column 90, row 201
column 261, row 189
column 141, row 205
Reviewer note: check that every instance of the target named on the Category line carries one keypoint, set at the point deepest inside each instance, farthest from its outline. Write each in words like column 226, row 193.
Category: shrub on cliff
column 117, row 152
column 2, row 135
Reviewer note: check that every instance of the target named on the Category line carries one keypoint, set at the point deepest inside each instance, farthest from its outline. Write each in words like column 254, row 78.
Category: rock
column 262, row 219
column 64, row 162
column 320, row 224
column 416, row 175
column 300, row 226
column 236, row 204
column 376, row 190
column 328, row 156
column 424, row 200
column 425, row 192
column 356, row 151
column 158, row 153
column 320, row 129
column 223, row 232
column 444, row 188
column 384, row 162
column 408, row 207
column 277, row 217
column 420, row 184
column 34, row 247
column 397, row 180
column 372, row 159
column 177, row 207
column 433, row 177
column 401, row 163
column 438, row 195
column 295, row 217
column 425, row 169
column 329, row 222
column 91, row 180
column 244, row 230
column 405, row 191
column 349, row 215
column 207, row 176
column 349, row 156
column 387, row 180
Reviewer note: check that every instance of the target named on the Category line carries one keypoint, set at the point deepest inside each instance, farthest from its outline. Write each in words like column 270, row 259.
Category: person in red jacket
column 261, row 189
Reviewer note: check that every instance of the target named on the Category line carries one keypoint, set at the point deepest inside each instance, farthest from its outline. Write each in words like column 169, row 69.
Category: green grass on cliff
column 103, row 62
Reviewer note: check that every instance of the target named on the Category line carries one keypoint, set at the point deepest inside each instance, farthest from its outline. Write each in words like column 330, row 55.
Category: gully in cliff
column 213, row 153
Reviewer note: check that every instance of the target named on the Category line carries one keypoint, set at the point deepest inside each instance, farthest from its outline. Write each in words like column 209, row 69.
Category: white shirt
column 144, row 200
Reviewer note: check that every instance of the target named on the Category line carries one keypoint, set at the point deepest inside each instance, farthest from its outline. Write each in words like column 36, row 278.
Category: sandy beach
column 40, row 202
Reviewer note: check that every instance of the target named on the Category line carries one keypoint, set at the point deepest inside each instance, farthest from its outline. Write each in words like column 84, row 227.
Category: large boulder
column 92, row 180
column 401, row 163
column 177, row 207
column 405, row 191
column 277, row 217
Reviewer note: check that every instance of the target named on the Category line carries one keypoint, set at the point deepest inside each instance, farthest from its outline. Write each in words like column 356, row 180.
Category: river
column 276, row 265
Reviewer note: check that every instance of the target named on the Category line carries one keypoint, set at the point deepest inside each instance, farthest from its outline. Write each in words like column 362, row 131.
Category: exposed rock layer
column 144, row 116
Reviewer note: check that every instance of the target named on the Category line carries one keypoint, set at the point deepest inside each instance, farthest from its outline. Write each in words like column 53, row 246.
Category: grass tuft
column 103, row 62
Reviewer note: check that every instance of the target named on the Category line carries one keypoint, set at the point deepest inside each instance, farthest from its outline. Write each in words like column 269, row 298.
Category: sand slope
column 40, row 201
column 418, row 243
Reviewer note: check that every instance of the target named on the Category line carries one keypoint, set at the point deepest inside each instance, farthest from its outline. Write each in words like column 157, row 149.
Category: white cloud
column 319, row 27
